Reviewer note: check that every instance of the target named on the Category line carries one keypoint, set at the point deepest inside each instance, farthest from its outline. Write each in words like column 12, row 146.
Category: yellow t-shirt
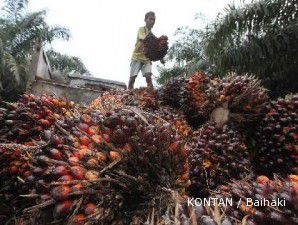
column 138, row 53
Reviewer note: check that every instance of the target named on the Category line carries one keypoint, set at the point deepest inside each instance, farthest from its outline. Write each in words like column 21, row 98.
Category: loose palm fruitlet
column 264, row 201
column 217, row 155
column 155, row 48
column 276, row 138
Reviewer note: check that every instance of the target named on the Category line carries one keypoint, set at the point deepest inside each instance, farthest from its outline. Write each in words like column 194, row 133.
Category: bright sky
column 104, row 31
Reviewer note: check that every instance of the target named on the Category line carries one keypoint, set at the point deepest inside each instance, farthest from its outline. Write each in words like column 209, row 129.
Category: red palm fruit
column 101, row 157
column 13, row 170
column 43, row 160
column 114, row 155
column 84, row 140
column 84, row 151
column 93, row 130
column 61, row 192
column 55, row 102
column 174, row 146
column 83, row 126
column 57, row 140
column 65, row 178
column 60, row 171
column 92, row 162
column 38, row 171
column 90, row 208
column 17, row 153
column 78, row 172
column 91, row 175
column 127, row 147
column 45, row 123
column 107, row 138
column 86, row 118
column 97, row 138
column 74, row 160
column 77, row 187
column 107, row 131
column 62, row 209
column 55, row 154
column 26, row 174
column 262, row 179
column 78, row 219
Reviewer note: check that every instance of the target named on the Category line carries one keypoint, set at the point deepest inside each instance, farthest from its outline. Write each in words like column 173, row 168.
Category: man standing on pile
column 139, row 61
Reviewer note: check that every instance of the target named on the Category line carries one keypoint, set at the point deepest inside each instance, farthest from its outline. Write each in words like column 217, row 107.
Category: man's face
column 150, row 21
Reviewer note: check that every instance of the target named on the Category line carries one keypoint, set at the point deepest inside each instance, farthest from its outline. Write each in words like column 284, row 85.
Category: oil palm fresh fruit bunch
column 170, row 93
column 217, row 155
column 244, row 96
column 153, row 159
column 155, row 48
column 102, row 169
column 263, row 201
column 276, row 138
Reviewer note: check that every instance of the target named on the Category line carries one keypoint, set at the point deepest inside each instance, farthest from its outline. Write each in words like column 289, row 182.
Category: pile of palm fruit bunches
column 198, row 151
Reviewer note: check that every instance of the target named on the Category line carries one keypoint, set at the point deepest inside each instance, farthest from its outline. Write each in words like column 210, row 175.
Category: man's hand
column 163, row 61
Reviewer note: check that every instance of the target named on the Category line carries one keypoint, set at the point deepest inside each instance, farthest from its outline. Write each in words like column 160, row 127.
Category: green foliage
column 66, row 64
column 259, row 38
column 20, row 31
column 187, row 53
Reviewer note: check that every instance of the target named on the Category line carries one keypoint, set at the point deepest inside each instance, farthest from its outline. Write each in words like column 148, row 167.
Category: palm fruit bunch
column 200, row 96
column 264, row 201
column 176, row 119
column 120, row 176
column 217, row 155
column 170, row 93
column 276, row 138
column 86, row 167
column 155, row 161
column 155, row 48
column 244, row 96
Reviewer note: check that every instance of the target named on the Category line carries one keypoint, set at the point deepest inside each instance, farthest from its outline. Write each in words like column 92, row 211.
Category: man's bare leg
column 131, row 82
column 149, row 80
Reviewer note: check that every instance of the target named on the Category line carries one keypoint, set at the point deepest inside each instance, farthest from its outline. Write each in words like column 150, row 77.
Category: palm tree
column 187, row 54
column 65, row 63
column 259, row 38
column 19, row 33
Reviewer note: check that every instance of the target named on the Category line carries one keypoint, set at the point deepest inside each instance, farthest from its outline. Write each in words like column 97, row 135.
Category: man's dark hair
column 151, row 13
